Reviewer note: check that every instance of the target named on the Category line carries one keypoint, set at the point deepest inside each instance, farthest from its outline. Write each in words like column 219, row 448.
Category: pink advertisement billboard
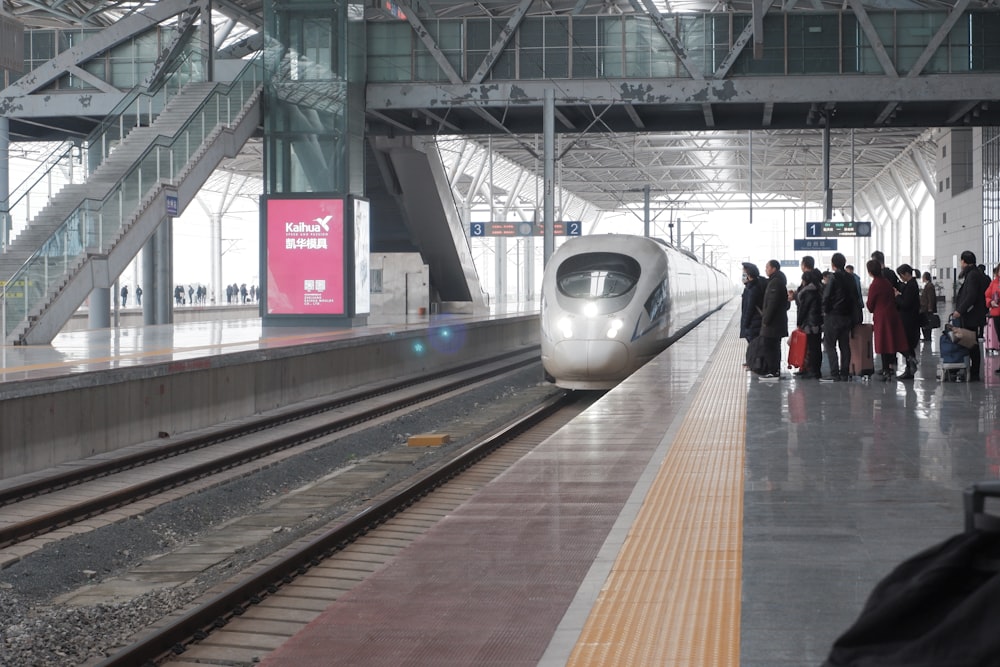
column 305, row 257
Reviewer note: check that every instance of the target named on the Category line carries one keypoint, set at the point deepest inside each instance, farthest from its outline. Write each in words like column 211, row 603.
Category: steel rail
column 44, row 523
column 43, row 485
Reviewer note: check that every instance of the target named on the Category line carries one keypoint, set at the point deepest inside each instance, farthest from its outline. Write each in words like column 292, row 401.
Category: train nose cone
column 591, row 359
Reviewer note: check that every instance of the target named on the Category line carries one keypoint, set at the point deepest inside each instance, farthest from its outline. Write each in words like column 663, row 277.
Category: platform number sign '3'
column 477, row 229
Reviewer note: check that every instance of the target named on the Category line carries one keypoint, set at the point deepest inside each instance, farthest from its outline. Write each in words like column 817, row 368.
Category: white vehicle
column 612, row 302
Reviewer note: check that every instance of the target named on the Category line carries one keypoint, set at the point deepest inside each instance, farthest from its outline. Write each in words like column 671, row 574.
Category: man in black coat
column 970, row 306
column 774, row 319
column 841, row 311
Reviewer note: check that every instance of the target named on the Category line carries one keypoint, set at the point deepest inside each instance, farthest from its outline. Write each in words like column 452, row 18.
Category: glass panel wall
column 308, row 125
column 794, row 43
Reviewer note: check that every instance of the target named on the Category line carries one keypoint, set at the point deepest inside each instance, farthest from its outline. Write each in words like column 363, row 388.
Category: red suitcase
column 797, row 349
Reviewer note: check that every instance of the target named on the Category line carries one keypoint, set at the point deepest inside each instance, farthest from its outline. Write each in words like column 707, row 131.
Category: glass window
column 985, row 56
column 611, row 47
column 914, row 31
column 43, row 44
column 813, row 43
column 585, row 47
column 598, row 275
column 773, row 56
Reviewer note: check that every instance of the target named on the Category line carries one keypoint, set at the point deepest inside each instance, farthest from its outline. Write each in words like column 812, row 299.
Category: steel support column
column 5, row 225
column 549, row 159
column 99, row 308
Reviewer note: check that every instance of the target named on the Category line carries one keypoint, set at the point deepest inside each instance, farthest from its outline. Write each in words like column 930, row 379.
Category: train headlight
column 615, row 327
column 565, row 327
column 590, row 309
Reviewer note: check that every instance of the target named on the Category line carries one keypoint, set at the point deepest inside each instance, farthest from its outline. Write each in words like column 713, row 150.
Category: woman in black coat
column 753, row 302
column 809, row 319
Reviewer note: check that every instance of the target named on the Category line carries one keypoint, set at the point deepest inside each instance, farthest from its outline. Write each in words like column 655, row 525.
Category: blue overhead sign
column 172, row 202
column 815, row 244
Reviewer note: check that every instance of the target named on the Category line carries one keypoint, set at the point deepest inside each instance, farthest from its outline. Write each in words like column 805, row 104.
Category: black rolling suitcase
column 940, row 608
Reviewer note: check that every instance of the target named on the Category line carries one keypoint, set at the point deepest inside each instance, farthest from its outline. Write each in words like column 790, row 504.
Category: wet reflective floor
column 843, row 482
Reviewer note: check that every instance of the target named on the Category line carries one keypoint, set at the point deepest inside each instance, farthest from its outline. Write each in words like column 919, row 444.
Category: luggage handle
column 975, row 505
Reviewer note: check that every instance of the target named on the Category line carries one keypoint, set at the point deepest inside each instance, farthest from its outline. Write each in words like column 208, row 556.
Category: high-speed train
column 612, row 302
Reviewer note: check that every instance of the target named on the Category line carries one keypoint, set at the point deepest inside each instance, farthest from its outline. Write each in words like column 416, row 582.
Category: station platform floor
column 693, row 516
column 84, row 351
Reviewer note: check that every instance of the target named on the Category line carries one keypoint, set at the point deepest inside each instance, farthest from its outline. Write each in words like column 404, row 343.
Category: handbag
column 964, row 337
column 930, row 321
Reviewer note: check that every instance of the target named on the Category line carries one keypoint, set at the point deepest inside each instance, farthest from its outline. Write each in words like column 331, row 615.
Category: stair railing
column 94, row 226
column 136, row 108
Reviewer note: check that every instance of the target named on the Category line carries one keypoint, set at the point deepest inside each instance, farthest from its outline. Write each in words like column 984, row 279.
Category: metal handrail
column 143, row 101
column 90, row 228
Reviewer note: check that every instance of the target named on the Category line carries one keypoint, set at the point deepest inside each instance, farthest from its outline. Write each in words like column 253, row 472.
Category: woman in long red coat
column 890, row 337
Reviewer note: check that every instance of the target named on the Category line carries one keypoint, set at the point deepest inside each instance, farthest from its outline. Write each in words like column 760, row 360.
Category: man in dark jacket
column 970, row 306
column 841, row 311
column 774, row 319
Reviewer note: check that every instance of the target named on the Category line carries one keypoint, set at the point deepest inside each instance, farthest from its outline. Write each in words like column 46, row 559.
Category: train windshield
column 597, row 275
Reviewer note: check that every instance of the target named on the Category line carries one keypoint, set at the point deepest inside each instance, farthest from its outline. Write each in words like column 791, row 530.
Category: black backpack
column 940, row 608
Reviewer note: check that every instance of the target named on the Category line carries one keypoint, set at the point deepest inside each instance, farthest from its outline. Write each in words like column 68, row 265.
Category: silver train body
column 612, row 302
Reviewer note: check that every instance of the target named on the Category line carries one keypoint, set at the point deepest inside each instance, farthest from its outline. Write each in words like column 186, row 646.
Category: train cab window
column 597, row 275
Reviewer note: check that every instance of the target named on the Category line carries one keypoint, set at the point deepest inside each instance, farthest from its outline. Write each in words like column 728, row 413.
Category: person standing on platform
column 752, row 305
column 809, row 319
column 928, row 304
column 908, row 304
column 124, row 293
column 138, row 295
column 857, row 280
column 889, row 335
column 970, row 306
column 774, row 319
column 887, row 273
column 993, row 304
column 841, row 311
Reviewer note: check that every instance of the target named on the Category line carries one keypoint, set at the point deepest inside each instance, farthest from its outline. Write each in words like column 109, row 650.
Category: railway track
column 39, row 506
column 249, row 615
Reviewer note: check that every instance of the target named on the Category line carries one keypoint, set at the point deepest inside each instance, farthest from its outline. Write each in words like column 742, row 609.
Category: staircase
column 88, row 233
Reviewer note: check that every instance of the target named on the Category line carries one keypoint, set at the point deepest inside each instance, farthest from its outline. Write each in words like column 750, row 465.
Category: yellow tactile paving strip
column 673, row 595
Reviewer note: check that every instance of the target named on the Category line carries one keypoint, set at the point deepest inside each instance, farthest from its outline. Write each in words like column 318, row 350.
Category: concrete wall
column 47, row 422
column 405, row 284
column 958, row 218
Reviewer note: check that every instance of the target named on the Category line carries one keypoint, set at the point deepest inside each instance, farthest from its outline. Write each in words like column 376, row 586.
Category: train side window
column 658, row 302
column 597, row 275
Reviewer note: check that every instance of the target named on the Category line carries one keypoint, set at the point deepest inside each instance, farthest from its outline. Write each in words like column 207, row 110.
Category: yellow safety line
column 673, row 595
